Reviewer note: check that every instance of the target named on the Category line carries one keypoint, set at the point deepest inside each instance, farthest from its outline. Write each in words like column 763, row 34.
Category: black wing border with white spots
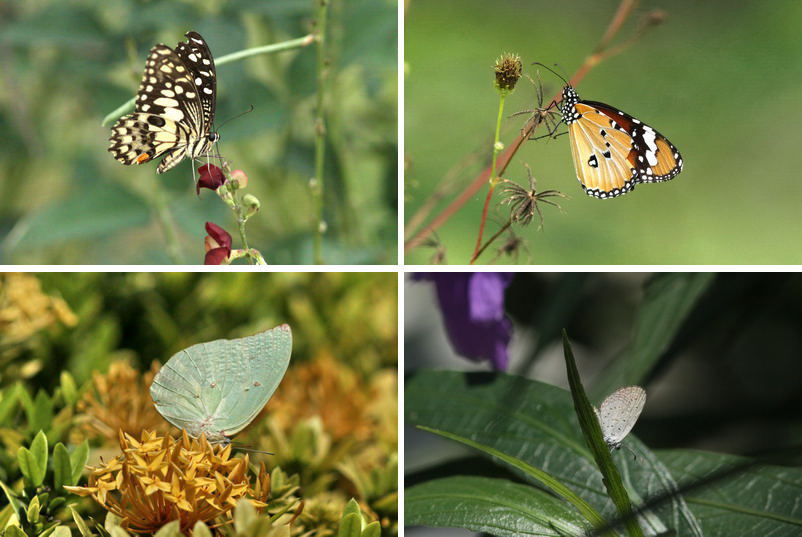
column 637, row 130
column 198, row 59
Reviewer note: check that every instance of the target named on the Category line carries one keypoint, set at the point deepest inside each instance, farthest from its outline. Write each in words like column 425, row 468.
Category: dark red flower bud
column 211, row 177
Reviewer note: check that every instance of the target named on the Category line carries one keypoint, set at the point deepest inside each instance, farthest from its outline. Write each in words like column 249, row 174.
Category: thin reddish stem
column 477, row 248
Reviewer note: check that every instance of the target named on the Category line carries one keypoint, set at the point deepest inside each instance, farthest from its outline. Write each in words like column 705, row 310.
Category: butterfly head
column 570, row 96
column 213, row 137
column 568, row 105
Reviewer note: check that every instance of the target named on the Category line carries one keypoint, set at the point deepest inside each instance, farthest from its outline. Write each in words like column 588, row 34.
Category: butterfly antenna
column 248, row 111
column 553, row 71
column 250, row 450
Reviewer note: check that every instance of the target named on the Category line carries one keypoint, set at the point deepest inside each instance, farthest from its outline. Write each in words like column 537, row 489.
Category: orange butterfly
column 612, row 150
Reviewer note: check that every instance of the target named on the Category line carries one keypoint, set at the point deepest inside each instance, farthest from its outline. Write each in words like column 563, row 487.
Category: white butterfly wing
column 619, row 412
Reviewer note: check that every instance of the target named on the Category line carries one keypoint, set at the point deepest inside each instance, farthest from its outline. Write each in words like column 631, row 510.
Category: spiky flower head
column 158, row 479
column 120, row 399
column 508, row 71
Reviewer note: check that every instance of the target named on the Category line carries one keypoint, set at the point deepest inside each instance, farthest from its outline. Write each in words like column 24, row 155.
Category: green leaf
column 373, row 529
column 118, row 531
column 350, row 526
column 61, row 531
column 171, row 529
column 83, row 215
column 752, row 500
column 14, row 531
column 13, row 501
column 81, row 523
column 39, row 452
column 668, row 300
column 8, row 402
column 32, row 513
column 28, row 466
column 594, row 438
column 69, row 391
column 352, row 507
column 201, row 530
column 244, row 515
column 42, row 416
column 536, row 423
column 78, row 459
column 536, row 474
column 490, row 505
column 62, row 471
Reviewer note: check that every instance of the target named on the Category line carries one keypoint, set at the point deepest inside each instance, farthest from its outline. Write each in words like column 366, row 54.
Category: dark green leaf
column 494, row 506
column 668, row 299
column 760, row 500
column 536, row 423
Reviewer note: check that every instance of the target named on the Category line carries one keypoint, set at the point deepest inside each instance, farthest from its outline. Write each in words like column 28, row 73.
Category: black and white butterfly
column 174, row 110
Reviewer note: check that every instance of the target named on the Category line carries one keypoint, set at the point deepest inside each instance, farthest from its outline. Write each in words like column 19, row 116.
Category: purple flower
column 472, row 304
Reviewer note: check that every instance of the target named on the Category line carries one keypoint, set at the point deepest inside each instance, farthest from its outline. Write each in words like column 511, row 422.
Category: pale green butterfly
column 219, row 387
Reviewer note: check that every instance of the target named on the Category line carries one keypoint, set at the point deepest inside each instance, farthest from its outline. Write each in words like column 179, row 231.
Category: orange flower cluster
column 121, row 400
column 160, row 479
column 308, row 390
column 25, row 309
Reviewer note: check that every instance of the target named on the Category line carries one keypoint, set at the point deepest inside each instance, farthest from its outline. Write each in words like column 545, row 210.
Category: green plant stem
column 316, row 184
column 266, row 49
column 167, row 225
column 493, row 179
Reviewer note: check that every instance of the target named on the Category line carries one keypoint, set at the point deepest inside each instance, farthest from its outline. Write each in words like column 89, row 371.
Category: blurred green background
column 150, row 316
column 66, row 65
column 716, row 78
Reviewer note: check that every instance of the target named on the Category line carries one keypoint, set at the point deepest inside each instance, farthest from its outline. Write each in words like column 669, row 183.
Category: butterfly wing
column 652, row 155
column 219, row 387
column 600, row 152
column 197, row 57
column 612, row 150
column 619, row 412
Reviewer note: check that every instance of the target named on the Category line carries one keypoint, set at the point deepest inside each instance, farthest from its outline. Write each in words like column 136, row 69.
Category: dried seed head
column 508, row 70
column 524, row 202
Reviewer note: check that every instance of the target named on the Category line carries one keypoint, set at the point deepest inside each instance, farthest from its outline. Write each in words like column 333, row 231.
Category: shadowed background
column 715, row 78
column 65, row 65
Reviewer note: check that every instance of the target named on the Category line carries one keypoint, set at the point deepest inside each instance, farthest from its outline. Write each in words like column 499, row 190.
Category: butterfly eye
column 213, row 137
